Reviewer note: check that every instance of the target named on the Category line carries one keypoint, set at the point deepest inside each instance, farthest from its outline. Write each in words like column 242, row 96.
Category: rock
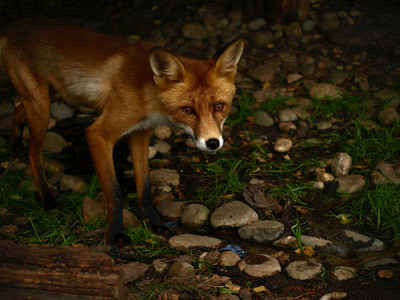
column 260, row 265
column 54, row 143
column 329, row 22
column 53, row 166
column 263, row 118
column 228, row 258
column 388, row 116
column 287, row 57
column 162, row 147
column 380, row 262
column 283, row 145
column 261, row 38
column 325, row 90
column 293, row 78
column 308, row 25
column 325, row 177
column 130, row 220
column 289, row 243
column 351, row 183
column 133, row 271
column 160, row 266
column 386, row 172
column 287, row 115
column 323, row 125
column 286, row 126
column 93, row 210
column 191, row 240
column 341, row 164
column 6, row 109
column 181, row 269
column 362, row 243
column 233, row 214
column 163, row 132
column 257, row 24
column 194, row 31
column 262, row 231
column 334, row 296
column 338, row 77
column 195, row 216
column 171, row 209
column 60, row 111
column 302, row 270
column 264, row 73
column 361, row 80
column 344, row 273
column 386, row 94
column 319, row 185
column 72, row 183
column 164, row 176
column 313, row 242
column 293, row 30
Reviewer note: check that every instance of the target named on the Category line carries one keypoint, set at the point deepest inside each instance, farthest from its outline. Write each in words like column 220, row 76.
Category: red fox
column 135, row 87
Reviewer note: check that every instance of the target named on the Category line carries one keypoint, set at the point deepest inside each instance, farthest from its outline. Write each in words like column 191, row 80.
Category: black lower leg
column 147, row 207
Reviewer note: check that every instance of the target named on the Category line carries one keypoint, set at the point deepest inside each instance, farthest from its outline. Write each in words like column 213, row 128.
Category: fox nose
column 212, row 144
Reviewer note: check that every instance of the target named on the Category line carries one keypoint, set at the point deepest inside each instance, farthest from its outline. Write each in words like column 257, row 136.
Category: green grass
column 245, row 105
column 372, row 145
column 36, row 225
column 379, row 208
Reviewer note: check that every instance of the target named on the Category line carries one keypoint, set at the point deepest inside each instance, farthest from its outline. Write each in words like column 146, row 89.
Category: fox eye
column 187, row 110
column 219, row 107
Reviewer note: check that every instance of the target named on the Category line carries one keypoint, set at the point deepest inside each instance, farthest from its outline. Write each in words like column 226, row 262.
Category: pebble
column 60, row 110
column 351, row 183
column 287, row 115
column 386, row 172
column 93, row 210
column 233, row 214
column 260, row 265
column 325, row 90
column 194, row 31
column 72, row 183
column 283, row 145
column 191, row 240
column 344, row 273
column 302, row 270
column 171, row 209
column 163, row 132
column 262, row 231
column 257, row 24
column 263, row 118
column 341, row 164
column 54, row 143
column 261, row 38
column 323, row 125
column 228, row 258
column 164, row 177
column 387, row 116
column 181, row 269
column 286, row 126
column 195, row 216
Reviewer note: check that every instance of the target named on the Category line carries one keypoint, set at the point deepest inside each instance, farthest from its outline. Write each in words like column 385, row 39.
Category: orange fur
column 134, row 87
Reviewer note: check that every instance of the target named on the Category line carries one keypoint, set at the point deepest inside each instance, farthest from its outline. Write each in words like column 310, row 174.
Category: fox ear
column 228, row 58
column 166, row 66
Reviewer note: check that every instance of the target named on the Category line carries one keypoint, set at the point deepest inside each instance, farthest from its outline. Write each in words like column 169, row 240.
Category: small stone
column 289, row 243
column 191, row 240
column 195, row 216
column 338, row 77
column 164, row 176
column 386, row 172
column 93, row 210
column 293, row 78
column 257, row 24
column 388, row 116
column 319, row 185
column 233, row 214
column 283, row 145
column 181, row 269
column 263, row 118
column 323, row 125
column 286, row 126
column 301, row 270
column 194, row 31
column 171, row 209
column 60, row 111
column 72, row 183
column 287, row 115
column 228, row 258
column 54, row 143
column 261, row 38
column 325, row 90
column 344, row 273
column 130, row 220
column 351, row 183
column 162, row 147
column 293, row 30
column 341, row 164
column 163, row 132
column 160, row 266
column 260, row 265
column 380, row 262
column 262, row 231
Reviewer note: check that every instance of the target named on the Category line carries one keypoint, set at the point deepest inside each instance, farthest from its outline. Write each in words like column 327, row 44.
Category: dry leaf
column 307, row 250
column 385, row 274
column 259, row 289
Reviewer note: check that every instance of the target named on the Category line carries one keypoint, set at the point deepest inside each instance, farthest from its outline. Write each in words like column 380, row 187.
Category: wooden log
column 48, row 272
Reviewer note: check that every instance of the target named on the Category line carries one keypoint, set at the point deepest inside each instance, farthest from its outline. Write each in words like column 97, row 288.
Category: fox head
column 196, row 95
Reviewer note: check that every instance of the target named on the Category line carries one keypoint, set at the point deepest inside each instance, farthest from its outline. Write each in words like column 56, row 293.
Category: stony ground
column 320, row 52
